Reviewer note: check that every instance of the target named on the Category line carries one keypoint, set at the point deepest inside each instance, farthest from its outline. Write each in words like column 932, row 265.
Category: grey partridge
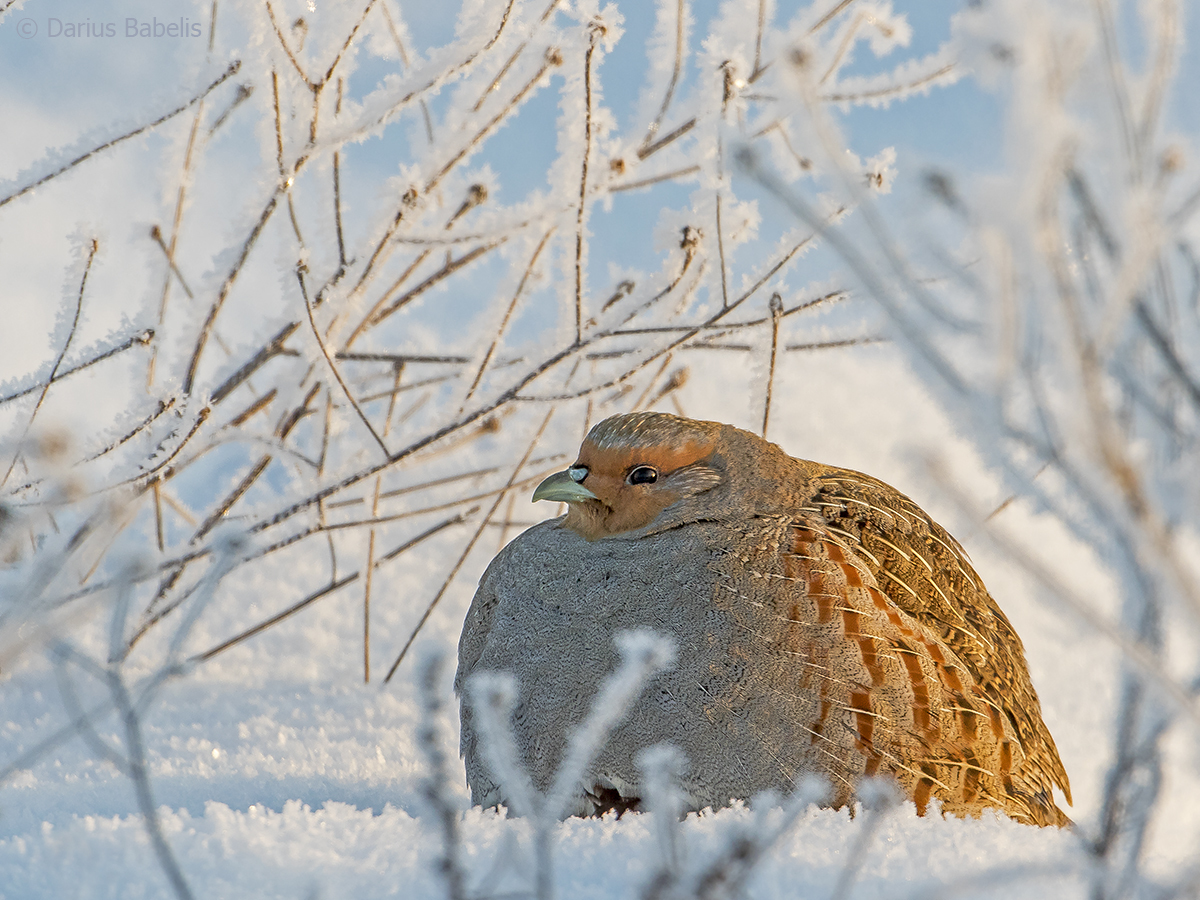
column 824, row 624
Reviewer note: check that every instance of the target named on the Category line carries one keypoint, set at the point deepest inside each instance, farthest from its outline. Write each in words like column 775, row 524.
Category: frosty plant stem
column 745, row 846
column 93, row 247
column 350, row 379
column 1042, row 324
column 436, row 783
column 493, row 697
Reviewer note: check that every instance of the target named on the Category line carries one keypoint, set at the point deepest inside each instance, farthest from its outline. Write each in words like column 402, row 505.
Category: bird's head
column 632, row 467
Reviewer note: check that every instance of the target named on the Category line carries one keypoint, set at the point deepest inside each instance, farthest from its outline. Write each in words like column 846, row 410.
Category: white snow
column 276, row 771
column 280, row 773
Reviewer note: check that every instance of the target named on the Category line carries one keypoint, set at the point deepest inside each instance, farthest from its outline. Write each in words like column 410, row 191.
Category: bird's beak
column 562, row 487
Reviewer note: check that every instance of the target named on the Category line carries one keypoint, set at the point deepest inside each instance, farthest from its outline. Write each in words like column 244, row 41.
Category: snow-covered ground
column 281, row 774
column 276, row 770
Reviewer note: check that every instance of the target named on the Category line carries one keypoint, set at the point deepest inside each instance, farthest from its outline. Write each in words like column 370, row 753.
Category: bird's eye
column 578, row 473
column 642, row 475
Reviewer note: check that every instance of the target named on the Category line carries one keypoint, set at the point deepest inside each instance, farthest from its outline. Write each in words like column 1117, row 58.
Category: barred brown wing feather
column 924, row 572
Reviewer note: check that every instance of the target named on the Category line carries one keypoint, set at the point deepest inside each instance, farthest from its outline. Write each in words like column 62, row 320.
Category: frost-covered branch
column 382, row 301
column 1046, row 328
column 493, row 697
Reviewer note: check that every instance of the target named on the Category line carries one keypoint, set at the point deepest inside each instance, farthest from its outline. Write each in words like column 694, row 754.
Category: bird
column 825, row 626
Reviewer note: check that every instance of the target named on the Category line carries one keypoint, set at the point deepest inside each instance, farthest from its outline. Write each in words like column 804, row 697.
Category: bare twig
column 595, row 30
column 829, row 16
column 891, row 91
column 721, row 255
column 495, row 82
column 436, row 792
column 274, row 347
column 552, row 58
column 276, row 619
column 470, row 545
column 655, row 179
column 776, row 312
column 883, row 798
column 141, row 339
column 758, row 40
column 227, row 285
column 370, row 569
column 445, row 271
column 140, row 775
column 649, row 150
column 100, row 148
column 300, row 269
column 503, row 326
column 93, row 247
column 680, row 46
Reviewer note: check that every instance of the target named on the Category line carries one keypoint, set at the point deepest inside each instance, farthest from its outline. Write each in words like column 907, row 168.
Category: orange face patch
column 629, row 506
column 619, row 460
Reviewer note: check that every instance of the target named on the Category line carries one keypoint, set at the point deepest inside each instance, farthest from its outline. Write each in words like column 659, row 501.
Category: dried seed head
column 1172, row 160
column 799, row 58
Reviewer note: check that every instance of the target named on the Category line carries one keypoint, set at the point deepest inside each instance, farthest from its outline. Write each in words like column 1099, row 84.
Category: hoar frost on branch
column 1056, row 310
column 361, row 378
